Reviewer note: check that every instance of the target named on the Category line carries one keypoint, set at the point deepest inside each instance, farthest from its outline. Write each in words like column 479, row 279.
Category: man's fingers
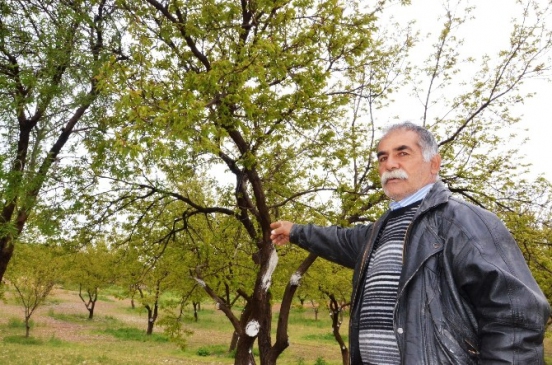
column 275, row 225
column 276, row 228
column 279, row 240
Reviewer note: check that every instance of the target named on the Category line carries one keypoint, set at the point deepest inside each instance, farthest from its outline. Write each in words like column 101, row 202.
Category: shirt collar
column 419, row 195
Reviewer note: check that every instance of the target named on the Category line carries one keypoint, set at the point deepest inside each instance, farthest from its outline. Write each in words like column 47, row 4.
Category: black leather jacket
column 466, row 295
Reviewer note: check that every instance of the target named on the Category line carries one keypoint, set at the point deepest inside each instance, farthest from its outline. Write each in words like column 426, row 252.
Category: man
column 436, row 280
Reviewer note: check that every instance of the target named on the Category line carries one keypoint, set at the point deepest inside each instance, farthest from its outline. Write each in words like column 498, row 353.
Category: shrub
column 202, row 351
column 320, row 361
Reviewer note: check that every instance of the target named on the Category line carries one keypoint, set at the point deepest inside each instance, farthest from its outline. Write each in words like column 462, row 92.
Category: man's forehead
column 398, row 140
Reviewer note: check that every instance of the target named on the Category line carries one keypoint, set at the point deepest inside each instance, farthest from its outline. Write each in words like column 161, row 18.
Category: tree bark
column 27, row 327
column 196, row 308
column 90, row 304
column 152, row 317
column 335, row 312
column 282, row 337
column 233, row 342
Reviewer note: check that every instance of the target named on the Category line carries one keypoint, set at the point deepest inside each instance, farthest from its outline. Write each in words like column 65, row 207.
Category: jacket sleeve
column 510, row 309
column 336, row 244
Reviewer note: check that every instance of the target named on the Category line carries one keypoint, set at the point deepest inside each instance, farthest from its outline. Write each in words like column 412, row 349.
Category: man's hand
column 280, row 232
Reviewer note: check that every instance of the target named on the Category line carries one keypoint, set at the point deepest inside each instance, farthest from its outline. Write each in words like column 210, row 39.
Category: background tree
column 91, row 268
column 52, row 58
column 334, row 292
column 532, row 230
column 33, row 274
column 145, row 276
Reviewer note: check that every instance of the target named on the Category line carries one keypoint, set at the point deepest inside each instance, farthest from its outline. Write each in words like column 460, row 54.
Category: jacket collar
column 438, row 194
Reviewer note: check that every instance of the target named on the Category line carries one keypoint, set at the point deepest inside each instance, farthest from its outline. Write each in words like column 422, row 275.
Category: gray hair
column 426, row 141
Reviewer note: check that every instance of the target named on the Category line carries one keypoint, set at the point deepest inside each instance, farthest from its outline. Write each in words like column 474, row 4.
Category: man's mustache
column 393, row 174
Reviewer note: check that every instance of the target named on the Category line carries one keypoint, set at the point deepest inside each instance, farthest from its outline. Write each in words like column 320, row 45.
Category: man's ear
column 435, row 164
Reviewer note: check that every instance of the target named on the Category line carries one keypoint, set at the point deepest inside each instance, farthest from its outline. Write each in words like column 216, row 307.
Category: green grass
column 105, row 298
column 327, row 337
column 19, row 323
column 135, row 334
column 67, row 317
column 22, row 340
column 215, row 350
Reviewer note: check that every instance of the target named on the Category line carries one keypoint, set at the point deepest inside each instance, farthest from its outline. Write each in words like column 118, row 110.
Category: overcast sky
column 486, row 34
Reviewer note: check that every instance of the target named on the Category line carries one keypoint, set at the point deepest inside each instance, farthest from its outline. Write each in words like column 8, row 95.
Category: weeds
column 134, row 334
column 22, row 340
column 18, row 323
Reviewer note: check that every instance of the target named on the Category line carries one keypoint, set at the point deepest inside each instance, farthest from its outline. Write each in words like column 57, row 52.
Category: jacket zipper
column 361, row 269
column 416, row 217
column 399, row 294
column 364, row 256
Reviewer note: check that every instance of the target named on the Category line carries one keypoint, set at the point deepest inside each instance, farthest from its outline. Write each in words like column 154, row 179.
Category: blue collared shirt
column 419, row 195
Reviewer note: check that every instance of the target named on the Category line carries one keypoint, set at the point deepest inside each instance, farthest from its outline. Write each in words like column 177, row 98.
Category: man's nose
column 391, row 163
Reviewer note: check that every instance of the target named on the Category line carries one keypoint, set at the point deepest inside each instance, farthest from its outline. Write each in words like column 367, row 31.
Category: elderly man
column 436, row 280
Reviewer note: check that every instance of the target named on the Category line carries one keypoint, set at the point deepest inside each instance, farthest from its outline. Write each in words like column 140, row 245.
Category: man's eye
column 382, row 158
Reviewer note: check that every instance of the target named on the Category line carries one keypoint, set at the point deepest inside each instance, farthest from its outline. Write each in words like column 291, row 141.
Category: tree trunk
column 152, row 317
column 282, row 340
column 149, row 331
column 89, row 303
column 6, row 253
column 243, row 355
column 234, row 341
column 196, row 308
column 254, row 323
column 335, row 313
column 27, row 327
column 244, row 344
column 151, row 321
column 91, row 310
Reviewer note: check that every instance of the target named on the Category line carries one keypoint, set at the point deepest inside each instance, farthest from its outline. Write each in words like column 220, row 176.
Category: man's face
column 402, row 168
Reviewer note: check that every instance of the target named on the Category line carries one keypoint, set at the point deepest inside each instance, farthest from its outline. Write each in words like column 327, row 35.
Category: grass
column 18, row 323
column 135, row 334
column 61, row 333
column 67, row 317
column 327, row 337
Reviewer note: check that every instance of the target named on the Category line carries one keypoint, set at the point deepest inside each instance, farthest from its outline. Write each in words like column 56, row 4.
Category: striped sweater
column 377, row 341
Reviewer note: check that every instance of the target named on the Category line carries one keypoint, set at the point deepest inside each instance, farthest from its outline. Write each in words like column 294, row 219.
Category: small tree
column 91, row 268
column 32, row 274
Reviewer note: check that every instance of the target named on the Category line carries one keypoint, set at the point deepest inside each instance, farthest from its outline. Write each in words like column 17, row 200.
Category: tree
column 532, row 230
column 334, row 290
column 146, row 279
column 53, row 55
column 151, row 270
column 336, row 313
column 247, row 86
column 92, row 267
column 33, row 274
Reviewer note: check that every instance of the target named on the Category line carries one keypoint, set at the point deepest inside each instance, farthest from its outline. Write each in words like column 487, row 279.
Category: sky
column 486, row 34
